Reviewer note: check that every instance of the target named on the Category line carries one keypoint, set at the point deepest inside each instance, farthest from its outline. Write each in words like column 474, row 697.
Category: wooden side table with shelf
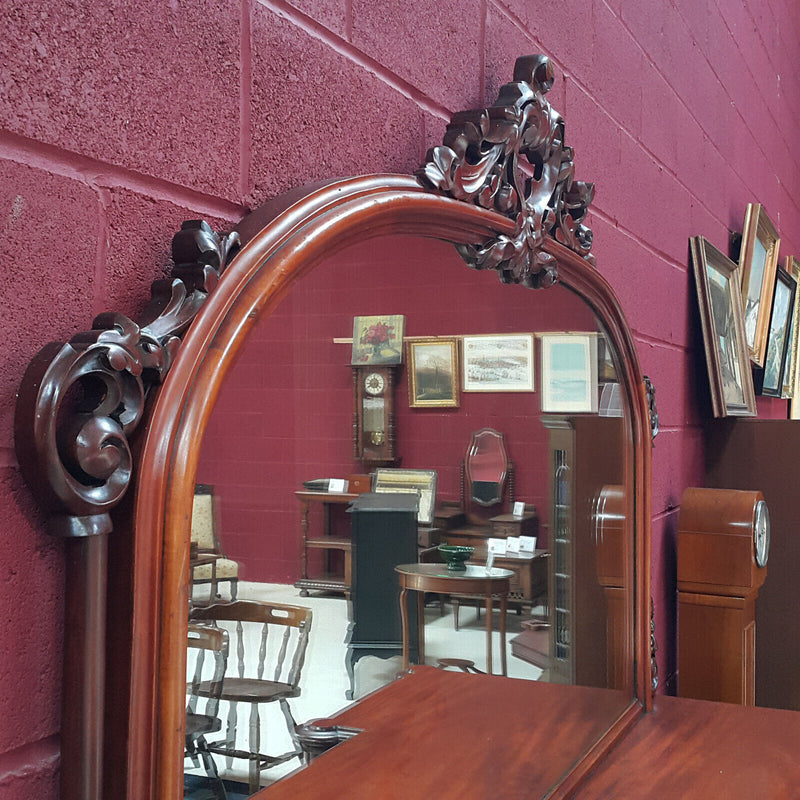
column 329, row 580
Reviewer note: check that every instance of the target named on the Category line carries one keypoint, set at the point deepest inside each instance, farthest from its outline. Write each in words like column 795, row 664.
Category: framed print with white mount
column 758, row 261
column 722, row 321
column 498, row 362
column 569, row 373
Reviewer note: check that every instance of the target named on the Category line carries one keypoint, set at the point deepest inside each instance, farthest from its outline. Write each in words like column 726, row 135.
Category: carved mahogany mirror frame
column 469, row 194
column 274, row 258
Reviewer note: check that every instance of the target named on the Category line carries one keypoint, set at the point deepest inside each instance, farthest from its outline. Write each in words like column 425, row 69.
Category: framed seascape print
column 792, row 266
column 722, row 321
column 779, row 331
column 378, row 340
column 758, row 262
column 498, row 363
column 432, row 373
column 569, row 373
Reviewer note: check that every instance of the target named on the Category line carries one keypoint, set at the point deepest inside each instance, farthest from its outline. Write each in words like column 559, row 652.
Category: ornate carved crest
column 479, row 163
column 80, row 402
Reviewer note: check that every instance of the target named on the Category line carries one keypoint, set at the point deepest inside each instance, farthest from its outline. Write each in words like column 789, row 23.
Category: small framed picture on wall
column 498, row 363
column 569, row 373
column 432, row 373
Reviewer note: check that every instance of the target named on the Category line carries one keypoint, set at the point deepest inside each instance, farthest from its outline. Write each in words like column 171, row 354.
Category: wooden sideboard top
column 436, row 734
column 696, row 750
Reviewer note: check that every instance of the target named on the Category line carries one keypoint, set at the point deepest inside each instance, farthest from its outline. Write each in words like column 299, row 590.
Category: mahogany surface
column 687, row 749
column 414, row 743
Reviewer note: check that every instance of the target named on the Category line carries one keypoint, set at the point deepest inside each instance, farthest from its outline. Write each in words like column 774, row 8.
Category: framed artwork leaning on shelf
column 722, row 321
column 779, row 332
column 757, row 262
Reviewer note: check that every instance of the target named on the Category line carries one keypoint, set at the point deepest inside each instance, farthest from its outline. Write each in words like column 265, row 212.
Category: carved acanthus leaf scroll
column 479, row 163
column 80, row 402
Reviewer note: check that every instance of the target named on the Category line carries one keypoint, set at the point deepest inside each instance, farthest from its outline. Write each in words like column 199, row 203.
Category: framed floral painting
column 378, row 340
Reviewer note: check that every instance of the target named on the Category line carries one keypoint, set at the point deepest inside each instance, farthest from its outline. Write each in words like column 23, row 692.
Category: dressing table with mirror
column 125, row 507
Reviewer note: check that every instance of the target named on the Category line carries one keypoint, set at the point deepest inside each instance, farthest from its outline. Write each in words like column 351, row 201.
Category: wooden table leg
column 489, row 660
column 503, row 666
column 404, row 626
column 421, row 627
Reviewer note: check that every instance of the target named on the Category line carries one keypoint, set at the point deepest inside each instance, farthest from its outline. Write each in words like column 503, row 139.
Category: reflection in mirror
column 485, row 467
column 284, row 417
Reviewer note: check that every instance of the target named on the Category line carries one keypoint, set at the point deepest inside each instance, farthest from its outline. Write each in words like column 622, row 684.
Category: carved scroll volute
column 479, row 162
column 80, row 402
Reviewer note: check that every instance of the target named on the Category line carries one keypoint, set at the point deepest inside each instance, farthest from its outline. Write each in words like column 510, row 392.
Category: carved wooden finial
column 80, row 402
column 478, row 162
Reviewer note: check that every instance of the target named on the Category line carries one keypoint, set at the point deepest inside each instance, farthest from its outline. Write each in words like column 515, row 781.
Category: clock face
column 374, row 383
column 761, row 533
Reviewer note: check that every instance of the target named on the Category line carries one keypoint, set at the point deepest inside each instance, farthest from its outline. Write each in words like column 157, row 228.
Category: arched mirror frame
column 281, row 246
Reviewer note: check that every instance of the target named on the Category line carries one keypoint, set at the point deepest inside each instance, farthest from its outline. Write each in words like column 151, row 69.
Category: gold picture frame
column 720, row 302
column 433, row 380
column 790, row 378
column 758, row 262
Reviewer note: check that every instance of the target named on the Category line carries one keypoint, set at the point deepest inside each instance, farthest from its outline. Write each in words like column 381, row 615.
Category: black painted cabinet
column 383, row 532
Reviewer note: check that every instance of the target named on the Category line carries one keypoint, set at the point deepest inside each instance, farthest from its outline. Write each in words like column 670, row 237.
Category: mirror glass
column 486, row 466
column 285, row 417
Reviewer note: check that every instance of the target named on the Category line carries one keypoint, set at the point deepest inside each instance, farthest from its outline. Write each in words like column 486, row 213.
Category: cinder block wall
column 119, row 120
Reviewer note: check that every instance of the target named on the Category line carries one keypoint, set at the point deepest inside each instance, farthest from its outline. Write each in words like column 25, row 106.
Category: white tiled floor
column 324, row 679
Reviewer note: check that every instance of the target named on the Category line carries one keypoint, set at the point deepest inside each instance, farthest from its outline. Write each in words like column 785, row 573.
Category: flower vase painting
column 378, row 340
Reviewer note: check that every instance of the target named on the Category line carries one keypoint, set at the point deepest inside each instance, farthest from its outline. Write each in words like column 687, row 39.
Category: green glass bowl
column 455, row 555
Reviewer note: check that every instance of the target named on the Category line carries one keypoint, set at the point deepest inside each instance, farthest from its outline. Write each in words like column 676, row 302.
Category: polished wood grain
column 414, row 739
column 698, row 750
column 718, row 582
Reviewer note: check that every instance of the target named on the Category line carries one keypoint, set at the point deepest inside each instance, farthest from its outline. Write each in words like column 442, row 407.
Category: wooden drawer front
column 503, row 529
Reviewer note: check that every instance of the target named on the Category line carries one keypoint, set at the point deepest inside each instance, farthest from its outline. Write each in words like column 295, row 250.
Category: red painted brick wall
column 116, row 123
column 285, row 414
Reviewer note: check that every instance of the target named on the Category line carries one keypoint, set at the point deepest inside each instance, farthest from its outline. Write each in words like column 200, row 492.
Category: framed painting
column 432, row 373
column 498, row 363
column 758, row 261
column 378, row 340
column 780, row 324
column 792, row 266
column 421, row 482
column 569, row 373
column 722, row 321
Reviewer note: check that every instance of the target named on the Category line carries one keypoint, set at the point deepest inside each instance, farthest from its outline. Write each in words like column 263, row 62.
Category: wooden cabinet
column 585, row 455
column 335, row 577
column 383, row 532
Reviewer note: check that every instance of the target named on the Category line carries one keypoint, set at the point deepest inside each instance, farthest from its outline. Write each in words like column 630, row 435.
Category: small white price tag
column 512, row 544
column 497, row 546
column 337, row 485
column 519, row 509
column 527, row 544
